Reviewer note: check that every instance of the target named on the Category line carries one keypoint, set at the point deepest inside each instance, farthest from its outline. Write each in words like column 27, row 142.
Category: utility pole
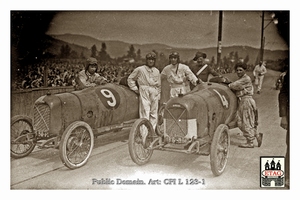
column 263, row 27
column 219, row 48
column 261, row 57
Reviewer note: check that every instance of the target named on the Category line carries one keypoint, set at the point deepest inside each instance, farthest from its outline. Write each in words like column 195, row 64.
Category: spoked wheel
column 160, row 123
column 140, row 138
column 21, row 137
column 76, row 145
column 219, row 150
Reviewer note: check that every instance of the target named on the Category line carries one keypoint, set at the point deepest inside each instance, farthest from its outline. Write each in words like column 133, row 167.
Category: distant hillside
column 56, row 45
column 115, row 49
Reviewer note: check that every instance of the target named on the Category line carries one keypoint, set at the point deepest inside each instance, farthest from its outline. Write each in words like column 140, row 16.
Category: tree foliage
column 131, row 52
column 246, row 60
column 138, row 54
column 94, row 51
column 65, row 51
column 103, row 55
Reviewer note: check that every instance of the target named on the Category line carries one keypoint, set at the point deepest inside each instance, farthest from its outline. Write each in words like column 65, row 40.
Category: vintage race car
column 70, row 121
column 195, row 123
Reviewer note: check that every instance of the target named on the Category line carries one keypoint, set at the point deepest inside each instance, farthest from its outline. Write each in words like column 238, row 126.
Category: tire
column 160, row 124
column 76, row 145
column 21, row 126
column 137, row 150
column 219, row 150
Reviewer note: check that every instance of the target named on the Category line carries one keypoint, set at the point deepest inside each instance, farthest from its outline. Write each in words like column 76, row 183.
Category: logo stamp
column 272, row 171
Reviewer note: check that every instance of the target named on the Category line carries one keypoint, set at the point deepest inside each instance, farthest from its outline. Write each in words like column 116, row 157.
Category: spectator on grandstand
column 64, row 73
column 36, row 83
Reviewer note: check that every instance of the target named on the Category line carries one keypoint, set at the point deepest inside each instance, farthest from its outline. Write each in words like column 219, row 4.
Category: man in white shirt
column 178, row 76
column 145, row 80
column 259, row 73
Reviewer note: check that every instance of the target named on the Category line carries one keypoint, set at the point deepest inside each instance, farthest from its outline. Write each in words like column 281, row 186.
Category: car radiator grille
column 41, row 119
column 176, row 125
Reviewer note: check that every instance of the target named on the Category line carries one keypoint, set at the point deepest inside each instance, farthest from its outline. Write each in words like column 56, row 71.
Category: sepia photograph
column 150, row 99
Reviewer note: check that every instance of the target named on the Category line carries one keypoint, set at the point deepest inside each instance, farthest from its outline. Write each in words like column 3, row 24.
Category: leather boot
column 259, row 139
column 249, row 144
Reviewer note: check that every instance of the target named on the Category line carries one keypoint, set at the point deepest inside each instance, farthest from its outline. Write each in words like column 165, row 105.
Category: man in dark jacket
column 202, row 69
column 284, row 111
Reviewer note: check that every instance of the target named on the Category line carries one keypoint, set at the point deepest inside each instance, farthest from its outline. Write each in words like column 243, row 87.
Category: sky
column 188, row 29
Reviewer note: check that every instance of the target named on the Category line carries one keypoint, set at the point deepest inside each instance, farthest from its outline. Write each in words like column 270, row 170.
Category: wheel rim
column 78, row 145
column 140, row 147
column 222, row 151
column 23, row 144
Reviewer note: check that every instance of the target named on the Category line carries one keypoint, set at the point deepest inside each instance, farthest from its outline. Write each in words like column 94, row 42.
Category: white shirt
column 144, row 76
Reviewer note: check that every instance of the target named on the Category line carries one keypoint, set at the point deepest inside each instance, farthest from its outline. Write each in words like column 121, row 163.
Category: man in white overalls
column 259, row 73
column 145, row 80
column 178, row 76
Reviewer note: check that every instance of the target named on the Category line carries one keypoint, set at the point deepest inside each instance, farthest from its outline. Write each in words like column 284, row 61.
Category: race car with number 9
column 70, row 121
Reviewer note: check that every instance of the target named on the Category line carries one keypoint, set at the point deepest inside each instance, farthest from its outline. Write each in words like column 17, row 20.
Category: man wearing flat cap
column 202, row 68
column 89, row 76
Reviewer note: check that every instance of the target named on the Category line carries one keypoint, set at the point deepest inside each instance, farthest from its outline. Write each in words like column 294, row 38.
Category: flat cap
column 199, row 54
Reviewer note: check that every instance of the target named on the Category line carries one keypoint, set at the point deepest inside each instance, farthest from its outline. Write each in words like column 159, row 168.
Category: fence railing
column 23, row 100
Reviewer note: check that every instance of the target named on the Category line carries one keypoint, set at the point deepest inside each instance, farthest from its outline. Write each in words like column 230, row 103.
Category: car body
column 198, row 113
column 71, row 120
column 197, row 122
column 101, row 106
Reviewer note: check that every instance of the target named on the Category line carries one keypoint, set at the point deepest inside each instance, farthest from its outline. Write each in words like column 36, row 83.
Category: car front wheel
column 219, row 149
column 76, row 145
column 22, row 140
column 140, row 138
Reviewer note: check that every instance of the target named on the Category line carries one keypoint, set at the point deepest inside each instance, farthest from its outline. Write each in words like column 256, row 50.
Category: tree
column 62, row 51
column 74, row 54
column 236, row 56
column 82, row 55
column 65, row 51
column 94, row 51
column 103, row 56
column 131, row 52
column 246, row 60
column 138, row 54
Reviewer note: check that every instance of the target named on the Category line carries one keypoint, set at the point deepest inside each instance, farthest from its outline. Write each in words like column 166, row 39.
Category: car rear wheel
column 140, row 138
column 22, row 140
column 219, row 150
column 76, row 145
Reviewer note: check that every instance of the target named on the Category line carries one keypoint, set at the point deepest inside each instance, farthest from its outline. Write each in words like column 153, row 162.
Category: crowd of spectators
column 63, row 73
